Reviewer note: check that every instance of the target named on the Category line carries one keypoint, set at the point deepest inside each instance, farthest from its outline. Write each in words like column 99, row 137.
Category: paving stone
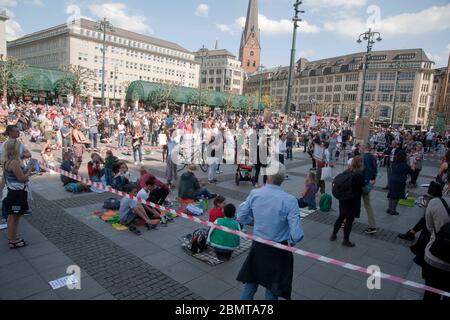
column 15, row 271
column 23, row 288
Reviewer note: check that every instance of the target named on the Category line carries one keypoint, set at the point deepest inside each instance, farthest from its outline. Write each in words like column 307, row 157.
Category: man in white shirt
column 281, row 150
column 143, row 196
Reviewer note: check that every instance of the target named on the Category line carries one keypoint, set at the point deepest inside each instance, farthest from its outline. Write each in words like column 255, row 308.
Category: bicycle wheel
column 182, row 168
column 204, row 167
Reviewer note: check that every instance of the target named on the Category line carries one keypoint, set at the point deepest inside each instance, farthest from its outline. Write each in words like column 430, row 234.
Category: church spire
column 252, row 22
column 250, row 51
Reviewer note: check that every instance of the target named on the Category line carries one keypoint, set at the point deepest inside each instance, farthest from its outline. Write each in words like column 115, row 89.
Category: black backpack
column 441, row 245
column 342, row 186
column 198, row 241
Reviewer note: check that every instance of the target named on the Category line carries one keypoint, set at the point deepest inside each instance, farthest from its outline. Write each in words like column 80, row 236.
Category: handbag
column 441, row 245
column 327, row 174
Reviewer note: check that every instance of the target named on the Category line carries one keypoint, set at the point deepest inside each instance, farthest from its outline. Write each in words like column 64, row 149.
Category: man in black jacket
column 370, row 175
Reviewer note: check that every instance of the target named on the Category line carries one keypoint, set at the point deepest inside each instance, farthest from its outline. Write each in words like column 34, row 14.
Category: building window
column 252, row 53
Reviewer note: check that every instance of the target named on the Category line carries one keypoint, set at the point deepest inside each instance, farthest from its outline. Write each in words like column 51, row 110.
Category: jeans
column 93, row 137
column 121, row 140
column 289, row 146
column 108, row 176
column 320, row 183
column 393, row 203
column 212, row 168
column 250, row 290
column 202, row 192
column 136, row 150
column 111, row 130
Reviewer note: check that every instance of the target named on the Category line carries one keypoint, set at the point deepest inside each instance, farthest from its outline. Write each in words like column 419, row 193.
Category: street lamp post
column 104, row 26
column 296, row 20
column 368, row 36
column 115, row 78
column 261, row 69
column 394, row 105
column 203, row 54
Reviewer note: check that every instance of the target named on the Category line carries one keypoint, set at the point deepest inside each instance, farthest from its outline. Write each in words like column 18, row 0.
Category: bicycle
column 195, row 155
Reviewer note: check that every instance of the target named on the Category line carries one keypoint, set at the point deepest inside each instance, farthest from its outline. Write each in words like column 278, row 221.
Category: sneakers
column 135, row 231
column 142, row 163
column 3, row 224
column 370, row 231
column 392, row 213
column 409, row 236
column 136, row 163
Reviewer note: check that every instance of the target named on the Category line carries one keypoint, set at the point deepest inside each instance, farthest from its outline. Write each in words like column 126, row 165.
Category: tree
column 78, row 81
column 229, row 98
column 349, row 111
column 402, row 113
column 373, row 111
column 12, row 73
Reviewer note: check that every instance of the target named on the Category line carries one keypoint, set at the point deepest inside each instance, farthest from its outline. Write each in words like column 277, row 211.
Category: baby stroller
column 245, row 173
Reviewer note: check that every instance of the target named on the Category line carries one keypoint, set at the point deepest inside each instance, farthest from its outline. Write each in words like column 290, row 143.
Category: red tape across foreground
column 303, row 253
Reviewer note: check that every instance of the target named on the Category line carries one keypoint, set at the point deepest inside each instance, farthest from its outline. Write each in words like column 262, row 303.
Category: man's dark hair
column 229, row 210
column 130, row 188
column 150, row 181
column 400, row 157
column 10, row 128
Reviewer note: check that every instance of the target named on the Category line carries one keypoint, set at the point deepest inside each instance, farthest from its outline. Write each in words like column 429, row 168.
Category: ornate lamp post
column 368, row 36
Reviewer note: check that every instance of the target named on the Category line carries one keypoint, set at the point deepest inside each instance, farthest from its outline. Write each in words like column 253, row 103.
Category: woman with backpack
column 349, row 199
column 436, row 268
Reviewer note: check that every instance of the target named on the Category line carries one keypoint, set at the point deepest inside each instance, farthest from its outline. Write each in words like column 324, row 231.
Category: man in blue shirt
column 276, row 217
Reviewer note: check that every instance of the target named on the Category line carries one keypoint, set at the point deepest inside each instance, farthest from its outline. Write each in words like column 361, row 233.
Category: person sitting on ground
column 160, row 193
column 121, row 176
column 36, row 135
column 110, row 161
column 144, row 195
column 71, row 185
column 48, row 157
column 217, row 211
column 308, row 198
column 94, row 166
column 189, row 187
column 105, row 138
column 225, row 243
column 131, row 211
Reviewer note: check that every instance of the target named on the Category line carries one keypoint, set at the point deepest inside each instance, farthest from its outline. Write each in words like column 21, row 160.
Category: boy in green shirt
column 225, row 243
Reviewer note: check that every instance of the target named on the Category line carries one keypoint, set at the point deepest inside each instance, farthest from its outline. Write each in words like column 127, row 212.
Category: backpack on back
column 342, row 186
column 112, row 204
column 441, row 245
column 325, row 202
column 198, row 241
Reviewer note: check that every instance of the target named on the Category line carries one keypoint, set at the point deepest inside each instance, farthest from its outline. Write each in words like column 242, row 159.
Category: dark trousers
column 158, row 196
column 415, row 175
column 314, row 165
column 435, row 278
column 348, row 218
column 421, row 225
column 223, row 254
column 257, row 172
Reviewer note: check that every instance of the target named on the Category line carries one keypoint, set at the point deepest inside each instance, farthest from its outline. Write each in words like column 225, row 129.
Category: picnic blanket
column 209, row 256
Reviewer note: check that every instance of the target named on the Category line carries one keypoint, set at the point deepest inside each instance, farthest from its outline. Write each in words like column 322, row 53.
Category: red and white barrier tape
column 241, row 234
column 127, row 148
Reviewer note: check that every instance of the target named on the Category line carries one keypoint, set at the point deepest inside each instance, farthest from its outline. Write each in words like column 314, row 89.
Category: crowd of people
column 215, row 139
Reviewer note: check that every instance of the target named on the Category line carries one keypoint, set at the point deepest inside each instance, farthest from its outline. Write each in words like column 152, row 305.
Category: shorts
column 128, row 219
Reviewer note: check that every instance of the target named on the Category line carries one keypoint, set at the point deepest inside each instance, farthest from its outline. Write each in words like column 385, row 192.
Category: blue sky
column 330, row 27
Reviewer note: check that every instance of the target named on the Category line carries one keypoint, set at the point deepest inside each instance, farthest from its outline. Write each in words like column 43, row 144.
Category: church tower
column 250, row 51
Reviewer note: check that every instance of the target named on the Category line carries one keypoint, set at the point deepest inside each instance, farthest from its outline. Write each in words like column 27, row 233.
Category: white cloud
column 429, row 20
column 436, row 58
column 336, row 3
column 8, row 3
column 224, row 28
column 13, row 28
column 202, row 10
column 276, row 27
column 117, row 15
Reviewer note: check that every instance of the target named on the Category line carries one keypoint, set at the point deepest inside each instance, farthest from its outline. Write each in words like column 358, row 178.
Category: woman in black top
column 351, row 208
column 397, row 182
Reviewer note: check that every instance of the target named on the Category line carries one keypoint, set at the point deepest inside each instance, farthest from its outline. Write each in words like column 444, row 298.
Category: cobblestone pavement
column 124, row 275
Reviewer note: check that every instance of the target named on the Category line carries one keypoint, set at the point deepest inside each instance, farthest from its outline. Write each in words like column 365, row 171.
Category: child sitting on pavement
column 308, row 198
column 131, row 211
column 144, row 195
column 217, row 211
column 110, row 161
column 225, row 243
